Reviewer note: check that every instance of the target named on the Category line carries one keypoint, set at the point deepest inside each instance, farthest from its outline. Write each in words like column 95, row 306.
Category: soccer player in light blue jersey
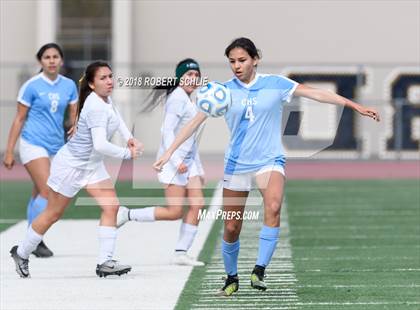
column 42, row 103
column 255, row 152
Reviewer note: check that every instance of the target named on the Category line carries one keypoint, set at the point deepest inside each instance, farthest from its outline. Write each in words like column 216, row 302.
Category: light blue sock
column 29, row 210
column 230, row 252
column 38, row 205
column 268, row 241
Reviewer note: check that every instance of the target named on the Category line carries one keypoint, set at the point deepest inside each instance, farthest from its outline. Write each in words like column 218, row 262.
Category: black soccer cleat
column 42, row 251
column 257, row 278
column 231, row 286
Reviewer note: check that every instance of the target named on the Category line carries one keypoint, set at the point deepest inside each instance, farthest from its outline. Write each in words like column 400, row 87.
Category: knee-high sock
column 268, row 241
column 186, row 237
column 107, row 239
column 37, row 206
column 230, row 252
column 143, row 214
column 29, row 244
column 29, row 210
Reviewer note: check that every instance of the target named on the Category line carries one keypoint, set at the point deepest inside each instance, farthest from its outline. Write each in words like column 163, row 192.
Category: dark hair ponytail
column 88, row 77
column 246, row 44
column 43, row 48
column 160, row 93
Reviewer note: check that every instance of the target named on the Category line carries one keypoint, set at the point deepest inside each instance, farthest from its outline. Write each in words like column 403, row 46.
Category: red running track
column 295, row 170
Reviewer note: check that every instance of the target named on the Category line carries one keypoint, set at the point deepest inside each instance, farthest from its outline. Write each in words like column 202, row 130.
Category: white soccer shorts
column 244, row 182
column 169, row 174
column 29, row 152
column 68, row 181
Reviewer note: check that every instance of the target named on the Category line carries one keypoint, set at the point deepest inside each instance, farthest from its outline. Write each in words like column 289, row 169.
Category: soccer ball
column 214, row 99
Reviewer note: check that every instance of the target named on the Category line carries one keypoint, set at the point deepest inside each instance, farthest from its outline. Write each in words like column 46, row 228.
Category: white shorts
column 68, row 181
column 170, row 175
column 29, row 152
column 244, row 182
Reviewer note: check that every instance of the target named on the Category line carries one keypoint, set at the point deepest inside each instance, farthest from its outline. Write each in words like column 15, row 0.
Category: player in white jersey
column 255, row 152
column 79, row 164
column 42, row 103
column 182, row 176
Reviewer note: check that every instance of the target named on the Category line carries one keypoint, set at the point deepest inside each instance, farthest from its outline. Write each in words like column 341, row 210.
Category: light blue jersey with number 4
column 47, row 101
column 254, row 120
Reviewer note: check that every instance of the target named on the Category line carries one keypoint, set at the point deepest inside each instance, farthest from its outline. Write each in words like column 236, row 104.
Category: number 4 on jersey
column 249, row 114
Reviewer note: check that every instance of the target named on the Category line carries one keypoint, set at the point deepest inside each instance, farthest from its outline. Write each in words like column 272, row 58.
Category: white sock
column 143, row 214
column 107, row 238
column 186, row 237
column 29, row 244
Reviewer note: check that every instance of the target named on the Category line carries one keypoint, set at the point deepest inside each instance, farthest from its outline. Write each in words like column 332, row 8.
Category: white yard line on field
column 280, row 271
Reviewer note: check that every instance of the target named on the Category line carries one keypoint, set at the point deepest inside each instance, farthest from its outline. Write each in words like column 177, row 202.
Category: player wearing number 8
column 42, row 104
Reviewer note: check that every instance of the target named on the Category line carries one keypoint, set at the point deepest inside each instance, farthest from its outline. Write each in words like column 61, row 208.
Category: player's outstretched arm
column 326, row 96
column 183, row 135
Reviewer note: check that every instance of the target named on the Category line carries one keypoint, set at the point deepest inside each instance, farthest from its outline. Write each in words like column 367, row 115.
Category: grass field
column 344, row 245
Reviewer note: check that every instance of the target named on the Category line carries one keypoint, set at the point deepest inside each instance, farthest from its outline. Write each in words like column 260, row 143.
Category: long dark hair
column 43, row 48
column 160, row 93
column 246, row 44
column 88, row 77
